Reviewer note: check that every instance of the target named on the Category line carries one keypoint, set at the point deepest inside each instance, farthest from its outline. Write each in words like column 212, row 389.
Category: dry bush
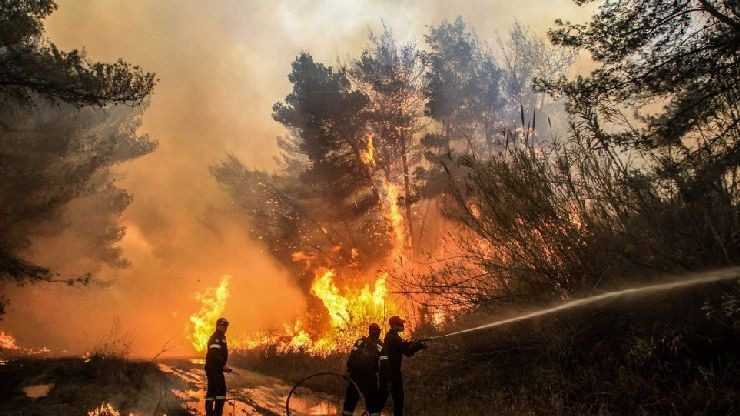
column 570, row 217
column 115, row 344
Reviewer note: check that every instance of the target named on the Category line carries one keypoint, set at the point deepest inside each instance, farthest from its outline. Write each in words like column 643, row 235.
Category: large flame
column 349, row 308
column 212, row 304
column 350, row 311
column 337, row 305
column 7, row 342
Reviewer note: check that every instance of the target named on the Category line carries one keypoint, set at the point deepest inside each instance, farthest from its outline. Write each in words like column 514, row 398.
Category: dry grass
column 80, row 385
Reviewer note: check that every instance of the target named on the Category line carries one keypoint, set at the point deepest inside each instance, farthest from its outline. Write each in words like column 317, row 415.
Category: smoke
column 221, row 67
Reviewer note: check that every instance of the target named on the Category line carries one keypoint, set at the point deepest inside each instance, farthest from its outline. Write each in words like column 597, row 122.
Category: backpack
column 363, row 359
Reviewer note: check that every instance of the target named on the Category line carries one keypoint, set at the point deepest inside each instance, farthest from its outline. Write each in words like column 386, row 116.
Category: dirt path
column 249, row 393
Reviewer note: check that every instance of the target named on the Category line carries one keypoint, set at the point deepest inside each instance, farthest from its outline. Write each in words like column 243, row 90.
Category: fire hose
column 321, row 374
column 716, row 276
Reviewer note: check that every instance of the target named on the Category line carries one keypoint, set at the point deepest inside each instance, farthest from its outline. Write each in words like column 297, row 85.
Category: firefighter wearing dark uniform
column 391, row 359
column 216, row 356
column 362, row 366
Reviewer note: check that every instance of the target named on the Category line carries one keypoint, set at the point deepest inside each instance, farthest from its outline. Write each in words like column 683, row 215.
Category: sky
column 221, row 65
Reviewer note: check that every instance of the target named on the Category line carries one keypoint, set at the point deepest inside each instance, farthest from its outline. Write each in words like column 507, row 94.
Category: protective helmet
column 222, row 321
column 374, row 329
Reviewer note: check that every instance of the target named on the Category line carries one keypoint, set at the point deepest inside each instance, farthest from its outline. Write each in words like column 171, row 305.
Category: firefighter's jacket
column 394, row 348
column 217, row 353
column 363, row 359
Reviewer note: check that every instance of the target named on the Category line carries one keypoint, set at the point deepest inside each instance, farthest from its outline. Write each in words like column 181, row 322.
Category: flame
column 368, row 156
column 350, row 311
column 105, row 409
column 337, row 305
column 212, row 304
column 389, row 194
column 7, row 342
column 303, row 257
column 299, row 256
column 393, row 215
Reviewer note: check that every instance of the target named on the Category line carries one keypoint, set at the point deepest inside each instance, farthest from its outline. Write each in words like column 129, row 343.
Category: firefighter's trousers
column 215, row 393
column 393, row 385
column 368, row 385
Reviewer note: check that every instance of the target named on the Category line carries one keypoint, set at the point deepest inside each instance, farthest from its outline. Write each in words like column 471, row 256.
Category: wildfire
column 212, row 304
column 389, row 193
column 7, row 342
column 105, row 409
column 393, row 214
column 349, row 307
column 368, row 156
column 355, row 309
column 350, row 311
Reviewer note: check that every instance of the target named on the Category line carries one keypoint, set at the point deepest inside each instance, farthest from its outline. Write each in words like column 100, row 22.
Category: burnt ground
column 249, row 393
column 73, row 386
column 175, row 387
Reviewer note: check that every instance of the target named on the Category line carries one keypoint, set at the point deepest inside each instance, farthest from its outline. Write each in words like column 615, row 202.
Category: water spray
column 710, row 277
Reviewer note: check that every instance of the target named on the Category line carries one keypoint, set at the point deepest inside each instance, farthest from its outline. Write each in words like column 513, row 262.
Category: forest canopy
column 65, row 121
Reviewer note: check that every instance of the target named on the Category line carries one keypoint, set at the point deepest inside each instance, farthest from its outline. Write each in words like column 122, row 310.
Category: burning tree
column 362, row 153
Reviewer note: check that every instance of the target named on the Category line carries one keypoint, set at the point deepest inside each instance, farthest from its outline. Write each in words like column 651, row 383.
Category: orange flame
column 350, row 312
column 105, row 409
column 212, row 304
column 368, row 156
column 393, row 215
column 7, row 342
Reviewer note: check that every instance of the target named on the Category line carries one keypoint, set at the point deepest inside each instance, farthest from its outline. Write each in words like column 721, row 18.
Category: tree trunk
column 407, row 190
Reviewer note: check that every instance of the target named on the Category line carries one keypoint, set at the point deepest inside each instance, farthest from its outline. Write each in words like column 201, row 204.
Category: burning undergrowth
column 356, row 198
column 346, row 281
column 343, row 304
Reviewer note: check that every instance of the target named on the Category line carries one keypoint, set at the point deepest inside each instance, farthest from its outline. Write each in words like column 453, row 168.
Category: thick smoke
column 222, row 65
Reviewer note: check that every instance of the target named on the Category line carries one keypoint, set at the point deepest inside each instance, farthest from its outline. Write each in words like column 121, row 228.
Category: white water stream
column 709, row 277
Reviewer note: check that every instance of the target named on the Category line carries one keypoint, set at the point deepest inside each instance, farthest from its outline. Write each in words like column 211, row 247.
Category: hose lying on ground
column 321, row 374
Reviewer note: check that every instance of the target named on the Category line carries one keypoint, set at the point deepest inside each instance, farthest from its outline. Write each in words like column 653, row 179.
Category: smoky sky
column 221, row 65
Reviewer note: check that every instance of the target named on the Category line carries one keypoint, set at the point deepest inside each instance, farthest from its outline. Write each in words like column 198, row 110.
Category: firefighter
column 362, row 366
column 216, row 357
column 391, row 358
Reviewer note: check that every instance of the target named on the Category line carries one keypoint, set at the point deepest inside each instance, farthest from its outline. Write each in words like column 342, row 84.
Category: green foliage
column 324, row 199
column 56, row 161
column 618, row 197
column 462, row 83
column 61, row 131
column 327, row 122
column 681, row 55
column 32, row 66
